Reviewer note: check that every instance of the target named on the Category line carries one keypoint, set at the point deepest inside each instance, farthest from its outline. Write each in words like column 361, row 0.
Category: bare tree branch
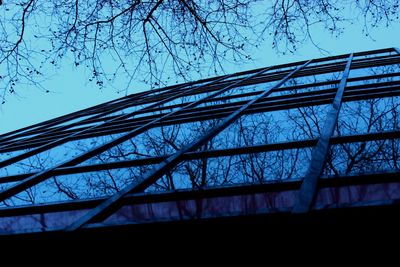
column 162, row 42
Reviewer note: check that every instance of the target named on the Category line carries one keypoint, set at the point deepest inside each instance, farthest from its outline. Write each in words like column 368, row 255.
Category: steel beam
column 309, row 186
column 217, row 191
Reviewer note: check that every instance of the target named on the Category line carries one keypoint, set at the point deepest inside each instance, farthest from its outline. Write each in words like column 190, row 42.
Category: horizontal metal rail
column 204, row 193
column 210, row 154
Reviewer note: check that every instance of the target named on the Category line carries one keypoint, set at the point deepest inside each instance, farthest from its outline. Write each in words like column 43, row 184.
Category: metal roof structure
column 300, row 138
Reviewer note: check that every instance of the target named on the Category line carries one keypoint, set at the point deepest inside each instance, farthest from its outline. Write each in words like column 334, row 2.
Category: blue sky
column 71, row 92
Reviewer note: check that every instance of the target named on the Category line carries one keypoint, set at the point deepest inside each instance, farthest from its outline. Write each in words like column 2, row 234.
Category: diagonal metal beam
column 43, row 175
column 397, row 50
column 309, row 186
column 112, row 203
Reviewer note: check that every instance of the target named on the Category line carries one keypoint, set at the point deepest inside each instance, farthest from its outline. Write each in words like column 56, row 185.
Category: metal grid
column 219, row 107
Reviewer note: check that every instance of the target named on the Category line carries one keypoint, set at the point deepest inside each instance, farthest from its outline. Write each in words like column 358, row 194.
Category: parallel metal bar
column 397, row 50
column 253, row 110
column 37, row 128
column 372, row 63
column 353, row 93
column 377, row 51
column 217, row 191
column 8, row 142
column 258, row 81
column 110, row 204
column 309, row 185
column 41, row 176
column 210, row 154
column 371, row 77
column 65, row 139
column 159, row 159
column 40, row 133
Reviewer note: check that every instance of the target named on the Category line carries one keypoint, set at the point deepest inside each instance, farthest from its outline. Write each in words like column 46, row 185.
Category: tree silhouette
column 160, row 42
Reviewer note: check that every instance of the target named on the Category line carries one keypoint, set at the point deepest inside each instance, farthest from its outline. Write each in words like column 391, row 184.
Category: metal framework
column 293, row 138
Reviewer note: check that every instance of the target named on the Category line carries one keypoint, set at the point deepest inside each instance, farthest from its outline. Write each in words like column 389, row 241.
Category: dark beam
column 207, row 192
column 309, row 186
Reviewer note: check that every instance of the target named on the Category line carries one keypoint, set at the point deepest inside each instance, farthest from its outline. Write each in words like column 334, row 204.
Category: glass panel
column 280, row 68
column 335, row 61
column 246, row 204
column 158, row 112
column 77, row 127
column 6, row 185
column 236, row 92
column 6, row 135
column 237, row 77
column 358, row 193
column 208, row 83
column 260, row 87
column 41, row 221
column 216, row 102
column 374, row 70
column 72, row 121
column 157, row 141
column 56, row 155
column 311, row 79
column 375, row 55
column 127, row 110
column 78, row 186
column 239, row 169
column 363, row 157
column 294, row 90
column 7, row 155
column 188, row 98
column 371, row 80
column 366, row 116
column 22, row 137
column 272, row 127
column 160, row 109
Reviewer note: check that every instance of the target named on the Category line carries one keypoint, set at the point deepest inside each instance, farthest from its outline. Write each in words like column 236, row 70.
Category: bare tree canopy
column 161, row 42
